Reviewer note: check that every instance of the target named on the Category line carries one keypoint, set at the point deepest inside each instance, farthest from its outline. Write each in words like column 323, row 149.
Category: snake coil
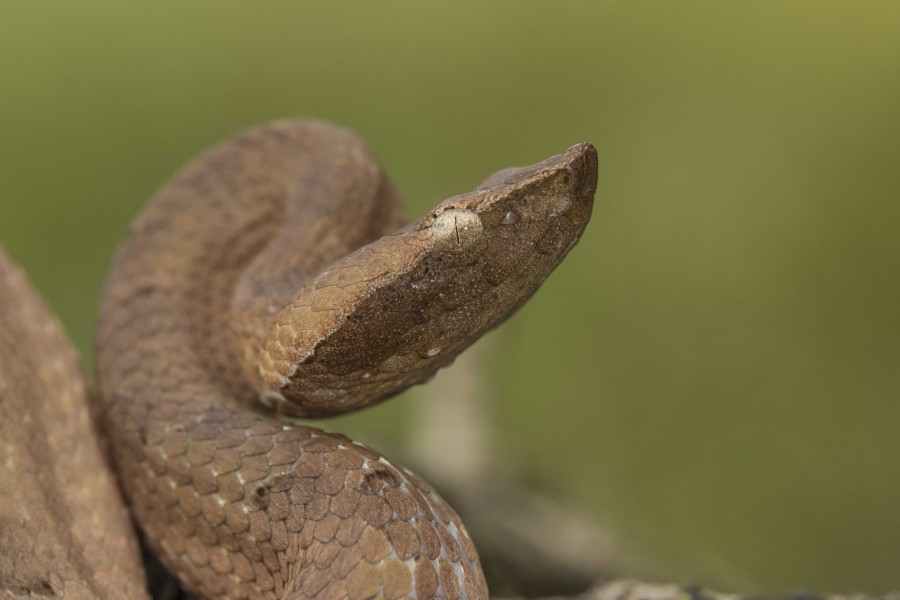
column 275, row 277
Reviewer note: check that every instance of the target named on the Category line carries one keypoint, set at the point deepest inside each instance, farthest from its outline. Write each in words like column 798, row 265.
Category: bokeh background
column 714, row 372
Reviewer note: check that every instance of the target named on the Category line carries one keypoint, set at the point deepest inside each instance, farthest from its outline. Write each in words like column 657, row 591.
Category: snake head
column 392, row 313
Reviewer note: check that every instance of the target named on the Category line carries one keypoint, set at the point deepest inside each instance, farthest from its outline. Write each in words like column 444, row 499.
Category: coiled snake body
column 276, row 270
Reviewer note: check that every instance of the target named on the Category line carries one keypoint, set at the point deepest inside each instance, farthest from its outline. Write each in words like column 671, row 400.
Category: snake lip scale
column 276, row 277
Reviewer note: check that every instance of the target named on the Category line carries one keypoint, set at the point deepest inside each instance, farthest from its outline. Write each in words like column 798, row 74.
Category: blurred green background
column 714, row 371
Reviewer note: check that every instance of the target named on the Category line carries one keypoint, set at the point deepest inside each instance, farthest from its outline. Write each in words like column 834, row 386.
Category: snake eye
column 457, row 229
column 511, row 218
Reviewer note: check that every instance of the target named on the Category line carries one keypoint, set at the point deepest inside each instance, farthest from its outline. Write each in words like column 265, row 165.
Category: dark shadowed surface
column 713, row 370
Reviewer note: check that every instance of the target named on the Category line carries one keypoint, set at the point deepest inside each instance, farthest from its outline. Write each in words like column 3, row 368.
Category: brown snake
column 275, row 270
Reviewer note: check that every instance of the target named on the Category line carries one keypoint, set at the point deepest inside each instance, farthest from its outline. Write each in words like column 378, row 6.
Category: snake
column 274, row 279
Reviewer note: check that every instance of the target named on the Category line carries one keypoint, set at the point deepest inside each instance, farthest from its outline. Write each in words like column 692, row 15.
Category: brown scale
column 64, row 530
